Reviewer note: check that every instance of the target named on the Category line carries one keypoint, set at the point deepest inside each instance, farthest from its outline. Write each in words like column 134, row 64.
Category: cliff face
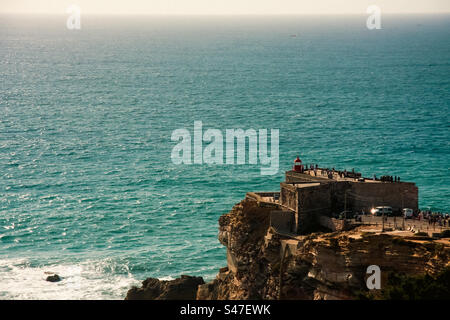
column 242, row 231
column 265, row 265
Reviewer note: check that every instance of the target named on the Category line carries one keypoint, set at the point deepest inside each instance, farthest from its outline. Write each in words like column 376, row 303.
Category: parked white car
column 380, row 211
column 408, row 213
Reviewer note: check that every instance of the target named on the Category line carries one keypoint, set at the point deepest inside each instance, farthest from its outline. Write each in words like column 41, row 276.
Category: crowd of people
column 346, row 174
column 389, row 179
column 330, row 172
column 343, row 174
column 435, row 218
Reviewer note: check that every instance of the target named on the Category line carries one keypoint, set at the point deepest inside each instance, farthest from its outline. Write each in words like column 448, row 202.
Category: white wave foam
column 167, row 278
column 86, row 280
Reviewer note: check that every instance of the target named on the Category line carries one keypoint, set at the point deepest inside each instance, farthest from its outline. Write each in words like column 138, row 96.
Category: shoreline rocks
column 53, row 277
column 183, row 288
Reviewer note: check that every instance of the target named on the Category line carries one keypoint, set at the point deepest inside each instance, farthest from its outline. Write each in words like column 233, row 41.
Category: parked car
column 408, row 213
column 380, row 211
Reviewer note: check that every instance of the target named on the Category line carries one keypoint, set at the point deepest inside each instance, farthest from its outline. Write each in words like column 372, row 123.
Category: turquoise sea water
column 87, row 186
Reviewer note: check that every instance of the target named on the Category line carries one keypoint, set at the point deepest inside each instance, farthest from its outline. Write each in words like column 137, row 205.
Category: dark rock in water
column 53, row 278
column 183, row 288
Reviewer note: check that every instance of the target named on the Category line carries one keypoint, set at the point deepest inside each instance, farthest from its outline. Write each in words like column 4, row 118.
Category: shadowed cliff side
column 242, row 231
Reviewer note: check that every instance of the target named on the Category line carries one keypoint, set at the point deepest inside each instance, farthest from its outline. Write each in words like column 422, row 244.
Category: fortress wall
column 293, row 176
column 396, row 195
column 331, row 223
column 261, row 198
column 288, row 196
column 313, row 201
column 368, row 194
column 282, row 220
column 268, row 194
column 338, row 190
column 309, row 199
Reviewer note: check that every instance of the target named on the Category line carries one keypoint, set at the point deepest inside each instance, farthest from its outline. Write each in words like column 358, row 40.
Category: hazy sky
column 224, row 6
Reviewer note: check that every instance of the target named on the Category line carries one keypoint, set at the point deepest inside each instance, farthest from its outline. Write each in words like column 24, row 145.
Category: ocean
column 87, row 185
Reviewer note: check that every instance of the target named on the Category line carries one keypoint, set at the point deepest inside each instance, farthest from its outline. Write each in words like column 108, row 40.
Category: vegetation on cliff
column 401, row 286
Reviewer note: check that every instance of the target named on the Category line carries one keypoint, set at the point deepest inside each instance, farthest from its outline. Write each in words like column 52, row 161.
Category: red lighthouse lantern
column 298, row 165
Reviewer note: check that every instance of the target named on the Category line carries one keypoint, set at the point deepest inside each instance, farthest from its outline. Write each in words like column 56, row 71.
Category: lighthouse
column 298, row 165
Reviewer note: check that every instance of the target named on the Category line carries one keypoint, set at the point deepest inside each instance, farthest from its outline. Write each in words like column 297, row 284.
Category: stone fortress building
column 311, row 197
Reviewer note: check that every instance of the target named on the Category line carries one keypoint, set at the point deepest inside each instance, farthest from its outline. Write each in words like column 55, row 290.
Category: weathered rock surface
column 183, row 288
column 265, row 265
column 53, row 278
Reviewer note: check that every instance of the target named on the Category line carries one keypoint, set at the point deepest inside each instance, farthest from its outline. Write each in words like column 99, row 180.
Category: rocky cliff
column 263, row 264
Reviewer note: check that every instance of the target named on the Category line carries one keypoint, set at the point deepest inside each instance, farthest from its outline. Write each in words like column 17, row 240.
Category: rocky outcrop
column 53, row 277
column 183, row 288
column 263, row 264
